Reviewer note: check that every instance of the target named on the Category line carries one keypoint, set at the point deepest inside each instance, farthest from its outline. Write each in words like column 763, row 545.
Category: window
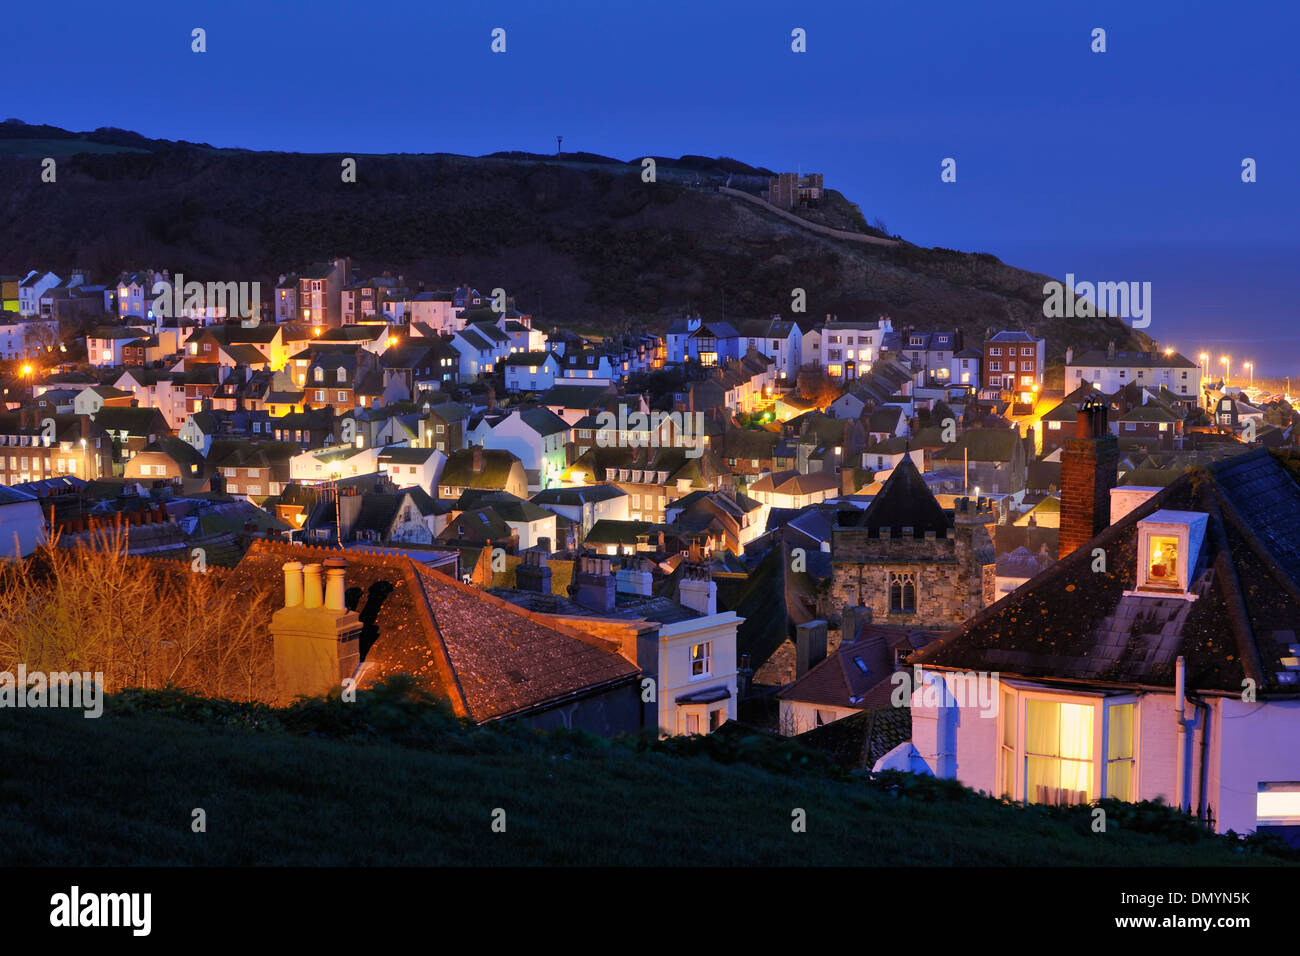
column 702, row 659
column 995, row 366
column 995, row 350
column 1026, row 351
column 1163, row 566
column 1278, row 805
column 1058, row 752
column 716, row 719
column 1119, row 752
column 902, row 593
column 1008, row 745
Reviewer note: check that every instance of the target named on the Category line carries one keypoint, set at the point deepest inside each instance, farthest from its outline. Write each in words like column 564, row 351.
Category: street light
column 1250, row 367
column 1226, row 362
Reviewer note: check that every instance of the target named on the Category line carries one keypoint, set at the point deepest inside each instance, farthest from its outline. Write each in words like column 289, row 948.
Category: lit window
column 1058, row 752
column 702, row 659
column 1163, row 565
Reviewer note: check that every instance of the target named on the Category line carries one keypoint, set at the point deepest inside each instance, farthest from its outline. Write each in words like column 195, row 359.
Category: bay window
column 1064, row 751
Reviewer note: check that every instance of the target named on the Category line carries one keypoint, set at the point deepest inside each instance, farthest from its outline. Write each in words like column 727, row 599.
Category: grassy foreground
column 395, row 781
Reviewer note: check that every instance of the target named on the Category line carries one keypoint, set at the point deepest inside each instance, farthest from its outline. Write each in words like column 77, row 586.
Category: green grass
column 326, row 784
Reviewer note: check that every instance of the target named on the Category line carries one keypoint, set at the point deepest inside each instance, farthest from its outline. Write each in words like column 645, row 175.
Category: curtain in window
column 1119, row 753
column 1058, row 747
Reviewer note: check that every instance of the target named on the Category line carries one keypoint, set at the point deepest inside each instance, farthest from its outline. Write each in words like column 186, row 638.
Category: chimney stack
column 534, row 574
column 478, row 459
column 316, row 639
column 810, row 646
column 1089, row 470
column 697, row 590
column 594, row 586
column 635, row 580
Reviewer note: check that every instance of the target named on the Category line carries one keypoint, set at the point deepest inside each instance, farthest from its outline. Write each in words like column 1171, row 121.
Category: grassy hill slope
column 392, row 781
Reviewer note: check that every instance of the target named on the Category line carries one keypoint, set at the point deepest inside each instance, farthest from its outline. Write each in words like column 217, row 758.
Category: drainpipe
column 1203, row 810
column 1180, row 687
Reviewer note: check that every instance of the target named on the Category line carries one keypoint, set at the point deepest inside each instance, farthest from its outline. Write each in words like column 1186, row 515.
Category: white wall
column 1257, row 743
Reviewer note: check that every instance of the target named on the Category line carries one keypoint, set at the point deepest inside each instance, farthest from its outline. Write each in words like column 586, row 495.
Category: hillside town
column 772, row 523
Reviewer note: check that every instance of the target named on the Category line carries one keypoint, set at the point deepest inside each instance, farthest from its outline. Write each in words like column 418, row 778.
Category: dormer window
column 1169, row 546
column 320, row 375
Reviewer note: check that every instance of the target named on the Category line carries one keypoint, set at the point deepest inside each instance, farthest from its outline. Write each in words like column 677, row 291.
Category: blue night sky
column 1117, row 166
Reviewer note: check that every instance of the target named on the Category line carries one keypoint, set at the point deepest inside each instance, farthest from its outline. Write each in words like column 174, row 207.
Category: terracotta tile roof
column 488, row 658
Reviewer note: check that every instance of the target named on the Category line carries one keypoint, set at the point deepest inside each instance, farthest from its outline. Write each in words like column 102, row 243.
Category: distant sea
column 1235, row 300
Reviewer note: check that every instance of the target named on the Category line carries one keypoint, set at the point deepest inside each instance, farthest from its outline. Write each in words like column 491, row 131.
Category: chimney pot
column 311, row 585
column 292, row 583
column 335, row 584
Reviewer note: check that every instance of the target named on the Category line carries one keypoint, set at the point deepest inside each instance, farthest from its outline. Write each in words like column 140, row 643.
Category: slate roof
column 905, row 501
column 1074, row 624
column 459, row 470
column 981, row 444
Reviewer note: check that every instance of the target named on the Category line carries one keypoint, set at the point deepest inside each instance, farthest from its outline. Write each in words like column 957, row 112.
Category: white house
column 478, row 354
column 1109, row 371
column 790, row 489
column 32, row 288
column 537, row 437
column 779, row 340
column 678, row 334
column 850, row 348
column 413, row 466
column 25, row 338
column 104, row 345
column 326, row 464
column 531, row 371
column 1173, row 676
column 696, row 674
column 584, row 506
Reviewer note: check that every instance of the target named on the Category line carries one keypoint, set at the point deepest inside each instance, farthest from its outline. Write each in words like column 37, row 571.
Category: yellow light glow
column 27, row 370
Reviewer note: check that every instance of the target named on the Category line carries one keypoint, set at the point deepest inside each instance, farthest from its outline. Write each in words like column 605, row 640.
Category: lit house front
column 1169, row 545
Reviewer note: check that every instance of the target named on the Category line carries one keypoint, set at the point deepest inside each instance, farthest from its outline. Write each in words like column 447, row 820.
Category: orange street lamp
column 1226, row 362
column 1250, row 367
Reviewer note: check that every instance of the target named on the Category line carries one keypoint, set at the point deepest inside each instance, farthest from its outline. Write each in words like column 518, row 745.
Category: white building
column 1109, row 371
column 26, row 338
column 849, row 349
column 32, row 288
